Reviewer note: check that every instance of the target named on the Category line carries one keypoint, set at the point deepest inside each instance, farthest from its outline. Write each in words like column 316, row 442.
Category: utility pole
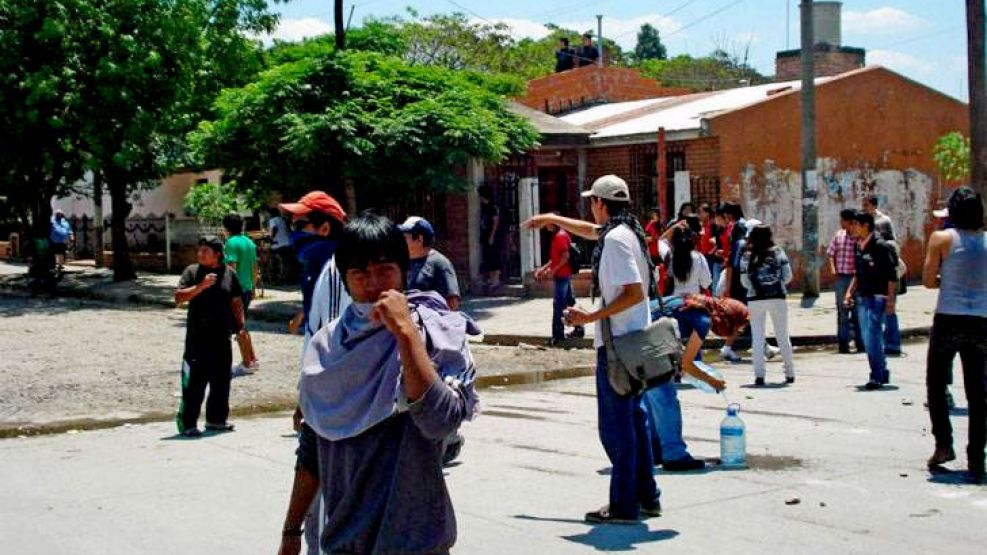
column 978, row 96
column 340, row 26
column 599, row 38
column 810, row 203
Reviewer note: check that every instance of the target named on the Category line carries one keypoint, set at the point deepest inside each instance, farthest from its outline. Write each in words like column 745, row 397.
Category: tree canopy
column 649, row 46
column 373, row 120
column 951, row 154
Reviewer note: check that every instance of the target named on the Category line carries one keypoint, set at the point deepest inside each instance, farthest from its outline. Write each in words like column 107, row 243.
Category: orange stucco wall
column 875, row 133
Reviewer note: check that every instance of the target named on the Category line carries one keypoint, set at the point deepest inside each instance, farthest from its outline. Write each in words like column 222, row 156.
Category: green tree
column 714, row 72
column 951, row 154
column 360, row 118
column 649, row 46
column 212, row 201
column 39, row 109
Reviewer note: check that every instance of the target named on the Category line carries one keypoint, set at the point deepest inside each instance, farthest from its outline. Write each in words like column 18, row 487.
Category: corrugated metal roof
column 680, row 113
column 545, row 124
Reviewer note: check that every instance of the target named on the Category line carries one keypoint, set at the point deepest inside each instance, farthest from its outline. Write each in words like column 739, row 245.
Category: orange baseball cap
column 315, row 201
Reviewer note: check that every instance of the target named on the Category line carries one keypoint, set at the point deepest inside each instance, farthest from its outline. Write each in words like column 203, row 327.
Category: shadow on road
column 609, row 537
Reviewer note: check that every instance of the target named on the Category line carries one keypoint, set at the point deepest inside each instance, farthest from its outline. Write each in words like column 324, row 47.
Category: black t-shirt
column 210, row 314
column 588, row 55
column 876, row 267
column 563, row 59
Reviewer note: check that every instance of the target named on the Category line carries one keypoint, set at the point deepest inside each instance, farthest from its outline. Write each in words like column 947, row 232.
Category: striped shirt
column 841, row 251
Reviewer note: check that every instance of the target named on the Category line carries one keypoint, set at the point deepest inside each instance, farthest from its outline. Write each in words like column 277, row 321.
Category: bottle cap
column 733, row 409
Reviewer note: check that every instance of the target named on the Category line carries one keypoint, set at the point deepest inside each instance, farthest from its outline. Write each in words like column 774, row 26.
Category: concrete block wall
column 834, row 61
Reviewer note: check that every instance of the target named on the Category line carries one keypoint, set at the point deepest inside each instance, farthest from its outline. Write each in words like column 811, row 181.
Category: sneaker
column 893, row 353
column 872, row 386
column 844, row 350
column 577, row 332
column 651, row 510
column 758, row 382
column 254, row 366
column 685, row 464
column 603, row 516
column 789, row 379
column 191, row 432
column 453, row 446
column 240, row 370
column 729, row 355
column 224, row 427
column 770, row 352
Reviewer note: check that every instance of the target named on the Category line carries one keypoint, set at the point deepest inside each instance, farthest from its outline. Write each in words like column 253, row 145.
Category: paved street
column 853, row 461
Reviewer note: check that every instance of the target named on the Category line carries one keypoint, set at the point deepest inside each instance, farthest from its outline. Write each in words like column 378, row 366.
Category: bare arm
column 630, row 295
column 303, row 491
column 689, row 364
column 582, row 228
column 236, row 304
column 453, row 302
column 937, row 251
column 186, row 294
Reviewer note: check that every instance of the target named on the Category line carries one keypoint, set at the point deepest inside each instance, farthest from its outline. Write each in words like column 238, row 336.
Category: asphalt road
column 834, row 470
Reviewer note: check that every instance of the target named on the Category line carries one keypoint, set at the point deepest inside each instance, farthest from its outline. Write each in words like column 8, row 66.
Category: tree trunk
column 123, row 267
column 340, row 27
column 98, row 219
column 978, row 96
column 350, row 197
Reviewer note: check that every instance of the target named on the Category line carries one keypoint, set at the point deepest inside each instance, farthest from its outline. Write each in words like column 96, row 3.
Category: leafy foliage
column 387, row 126
column 649, row 46
column 951, row 154
column 212, row 201
column 715, row 72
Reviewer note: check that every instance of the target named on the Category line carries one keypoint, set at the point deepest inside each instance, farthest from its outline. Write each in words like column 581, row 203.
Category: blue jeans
column 661, row 404
column 892, row 334
column 623, row 430
column 846, row 320
column 870, row 312
column 690, row 321
column 561, row 300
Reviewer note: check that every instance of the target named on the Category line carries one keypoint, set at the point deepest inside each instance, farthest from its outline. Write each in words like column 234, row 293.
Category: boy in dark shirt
column 563, row 56
column 215, row 310
column 873, row 292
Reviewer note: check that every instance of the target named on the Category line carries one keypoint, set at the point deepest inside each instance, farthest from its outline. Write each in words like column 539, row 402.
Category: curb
column 499, row 340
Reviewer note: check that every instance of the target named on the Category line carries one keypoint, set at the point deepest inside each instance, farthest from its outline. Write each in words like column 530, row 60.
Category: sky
column 923, row 40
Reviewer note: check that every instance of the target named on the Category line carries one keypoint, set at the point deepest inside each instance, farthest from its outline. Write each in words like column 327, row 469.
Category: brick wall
column 609, row 160
column 455, row 243
column 826, row 62
column 590, row 85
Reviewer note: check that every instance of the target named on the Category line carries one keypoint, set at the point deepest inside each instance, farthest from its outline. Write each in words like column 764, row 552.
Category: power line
column 687, row 25
column 469, row 11
column 921, row 37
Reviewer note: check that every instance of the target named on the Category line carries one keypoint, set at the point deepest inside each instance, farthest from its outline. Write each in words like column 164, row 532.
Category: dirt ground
column 68, row 363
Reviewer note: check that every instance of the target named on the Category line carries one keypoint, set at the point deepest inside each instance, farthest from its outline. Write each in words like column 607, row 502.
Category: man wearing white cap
column 622, row 275
column 430, row 270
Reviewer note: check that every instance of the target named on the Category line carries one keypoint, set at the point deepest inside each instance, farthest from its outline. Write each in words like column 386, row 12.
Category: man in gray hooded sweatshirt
column 381, row 387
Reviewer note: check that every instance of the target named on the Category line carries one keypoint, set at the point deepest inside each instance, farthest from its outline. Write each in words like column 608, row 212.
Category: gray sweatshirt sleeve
column 745, row 278
column 786, row 267
column 446, row 403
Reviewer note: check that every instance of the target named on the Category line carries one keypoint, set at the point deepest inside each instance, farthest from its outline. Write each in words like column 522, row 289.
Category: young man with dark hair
column 382, row 386
column 588, row 53
column 622, row 276
column 560, row 270
column 491, row 243
column 733, row 285
column 872, row 291
column 956, row 263
column 430, row 270
column 563, row 56
column 885, row 230
column 240, row 254
column 841, row 254
column 215, row 300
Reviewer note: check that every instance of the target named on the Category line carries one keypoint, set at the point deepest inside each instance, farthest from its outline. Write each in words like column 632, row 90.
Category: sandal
column 603, row 516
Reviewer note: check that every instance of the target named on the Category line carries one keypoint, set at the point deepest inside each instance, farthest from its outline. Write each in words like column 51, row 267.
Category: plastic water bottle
column 699, row 384
column 733, row 440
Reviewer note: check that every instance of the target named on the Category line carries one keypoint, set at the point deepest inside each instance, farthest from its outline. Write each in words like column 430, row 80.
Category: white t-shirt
column 699, row 277
column 279, row 232
column 623, row 263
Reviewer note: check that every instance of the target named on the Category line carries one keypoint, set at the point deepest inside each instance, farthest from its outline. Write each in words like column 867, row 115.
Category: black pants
column 966, row 335
column 211, row 368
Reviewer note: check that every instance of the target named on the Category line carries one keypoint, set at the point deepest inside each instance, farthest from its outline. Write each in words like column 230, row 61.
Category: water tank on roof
column 827, row 23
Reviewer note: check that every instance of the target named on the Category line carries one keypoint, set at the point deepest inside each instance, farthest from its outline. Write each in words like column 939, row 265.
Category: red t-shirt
column 560, row 247
column 707, row 243
column 651, row 231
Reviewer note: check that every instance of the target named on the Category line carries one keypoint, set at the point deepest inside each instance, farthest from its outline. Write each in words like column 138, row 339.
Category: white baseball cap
column 609, row 187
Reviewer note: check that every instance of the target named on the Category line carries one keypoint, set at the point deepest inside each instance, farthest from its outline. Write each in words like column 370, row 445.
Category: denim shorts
column 693, row 320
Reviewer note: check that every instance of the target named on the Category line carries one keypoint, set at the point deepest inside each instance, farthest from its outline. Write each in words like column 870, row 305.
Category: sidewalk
column 505, row 321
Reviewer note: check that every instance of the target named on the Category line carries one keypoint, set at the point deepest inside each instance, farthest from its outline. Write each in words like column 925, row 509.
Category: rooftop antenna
column 788, row 24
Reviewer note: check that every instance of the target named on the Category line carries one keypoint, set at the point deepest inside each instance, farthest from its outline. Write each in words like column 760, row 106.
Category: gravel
column 70, row 362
